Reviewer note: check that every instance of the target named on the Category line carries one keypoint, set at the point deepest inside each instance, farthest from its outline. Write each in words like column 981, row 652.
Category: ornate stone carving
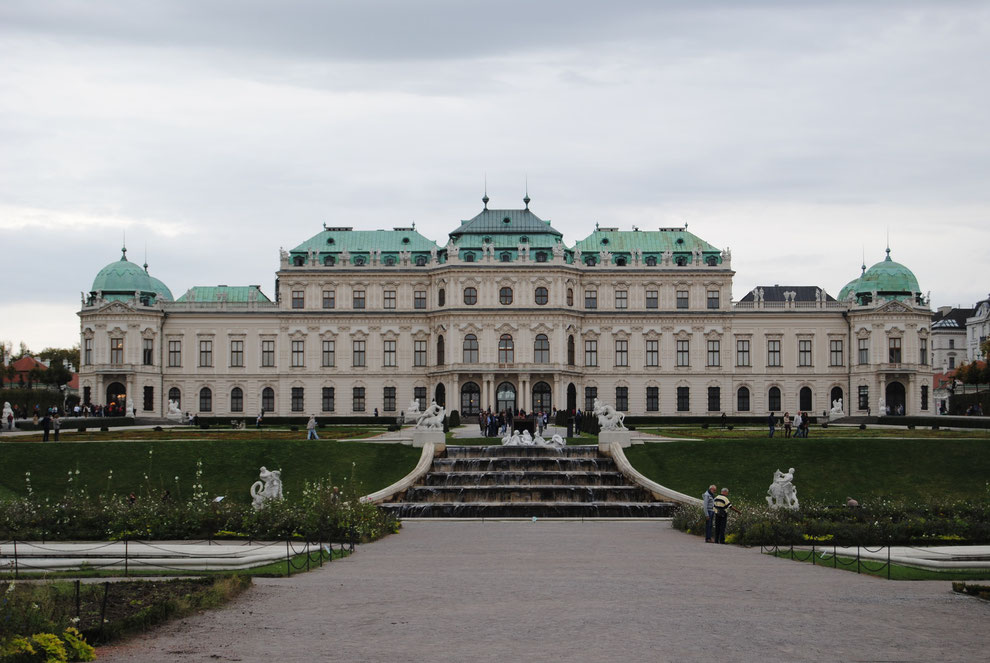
column 836, row 411
column 608, row 417
column 782, row 493
column 269, row 488
column 432, row 418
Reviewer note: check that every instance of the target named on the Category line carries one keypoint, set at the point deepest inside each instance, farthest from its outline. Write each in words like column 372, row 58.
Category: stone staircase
column 525, row 482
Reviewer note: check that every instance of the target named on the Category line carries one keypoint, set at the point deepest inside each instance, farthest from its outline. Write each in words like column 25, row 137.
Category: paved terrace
column 593, row 591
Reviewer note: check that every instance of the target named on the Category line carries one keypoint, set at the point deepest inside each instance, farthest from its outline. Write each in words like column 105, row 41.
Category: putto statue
column 269, row 488
column 173, row 411
column 411, row 413
column 836, row 411
column 608, row 417
column 782, row 493
column 432, row 418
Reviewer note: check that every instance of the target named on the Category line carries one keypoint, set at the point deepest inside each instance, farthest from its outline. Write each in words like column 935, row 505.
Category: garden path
column 580, row 591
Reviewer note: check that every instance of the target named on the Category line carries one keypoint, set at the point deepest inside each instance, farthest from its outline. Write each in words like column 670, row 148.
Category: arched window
column 620, row 262
column 468, row 257
column 329, row 261
column 773, row 399
column 542, row 295
column 542, row 402
column 711, row 261
column 541, row 349
column 651, row 261
column 590, row 261
column 205, row 400
column 570, row 296
column 680, row 261
column 804, row 399
column 505, row 295
column 359, row 260
column 541, row 257
column 742, row 399
column 504, row 256
column 570, row 350
column 470, row 349
column 268, row 399
column 505, row 397
column 506, row 349
column 236, row 400
column 441, row 297
column 440, row 351
column 470, row 296
column 298, row 261
column 390, row 261
column 470, row 398
column 175, row 395
column 421, row 261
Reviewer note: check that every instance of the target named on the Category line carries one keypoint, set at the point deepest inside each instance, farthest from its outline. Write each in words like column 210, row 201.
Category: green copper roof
column 504, row 222
column 235, row 294
column 336, row 240
column 848, row 289
column 123, row 277
column 889, row 279
column 655, row 242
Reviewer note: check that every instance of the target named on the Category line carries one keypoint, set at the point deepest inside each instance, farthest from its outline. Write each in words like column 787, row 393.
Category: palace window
column 267, row 399
column 653, row 399
column 773, row 353
column 652, row 352
column 570, row 296
column 506, row 349
column 389, row 354
column 267, row 353
column 622, row 399
column 684, row 352
column 174, row 354
column 505, row 296
column 116, row 351
column 358, row 354
column 590, row 395
column 742, row 352
column 236, row 399
column 237, row 353
column 441, row 297
column 329, row 299
column 682, row 299
column 173, row 395
column 298, row 299
column 205, row 400
column 389, row 299
column 541, row 349
column 835, row 352
column 328, row 393
column 621, row 299
column 652, row 299
column 206, row 353
column 570, row 350
column 470, row 296
column 622, row 352
column 713, row 299
column 419, row 393
column 864, row 351
column 714, row 399
column 419, row 299
column 298, row 354
column 684, row 399
column 924, row 397
column 358, row 398
column 88, row 351
column 923, row 352
column 714, row 353
column 298, row 402
column 591, row 298
column 542, row 296
column 864, row 397
column 894, row 350
column 804, row 353
column 419, row 353
column 470, row 349
column 149, row 399
column 651, row 261
column 591, row 353
column 440, row 351
column 773, row 399
column 329, row 354
column 388, row 399
column 742, row 399
column 357, row 299
column 148, row 351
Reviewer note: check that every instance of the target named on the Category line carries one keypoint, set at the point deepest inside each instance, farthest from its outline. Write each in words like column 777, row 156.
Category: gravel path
column 593, row 591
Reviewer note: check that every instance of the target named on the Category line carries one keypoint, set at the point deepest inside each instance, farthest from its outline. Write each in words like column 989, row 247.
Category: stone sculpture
column 174, row 413
column 131, row 410
column 836, row 411
column 608, row 417
column 269, row 488
column 882, row 409
column 432, row 418
column 412, row 412
column 557, row 441
column 782, row 493
column 8, row 412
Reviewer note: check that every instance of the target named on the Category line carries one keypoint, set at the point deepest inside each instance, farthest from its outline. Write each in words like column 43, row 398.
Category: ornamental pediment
column 893, row 307
column 117, row 307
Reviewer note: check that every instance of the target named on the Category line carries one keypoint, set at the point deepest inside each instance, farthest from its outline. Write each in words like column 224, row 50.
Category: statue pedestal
column 437, row 437
column 835, row 416
column 607, row 437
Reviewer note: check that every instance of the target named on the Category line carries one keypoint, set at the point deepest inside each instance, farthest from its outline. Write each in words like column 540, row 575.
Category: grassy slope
column 229, row 466
column 826, row 469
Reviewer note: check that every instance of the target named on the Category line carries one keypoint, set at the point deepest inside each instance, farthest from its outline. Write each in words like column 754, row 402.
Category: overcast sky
column 796, row 133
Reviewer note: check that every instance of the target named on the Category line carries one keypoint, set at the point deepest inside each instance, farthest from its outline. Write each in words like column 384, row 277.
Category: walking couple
column 716, row 506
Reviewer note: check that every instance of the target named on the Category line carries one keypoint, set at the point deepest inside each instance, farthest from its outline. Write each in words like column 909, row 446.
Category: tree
column 985, row 348
column 60, row 360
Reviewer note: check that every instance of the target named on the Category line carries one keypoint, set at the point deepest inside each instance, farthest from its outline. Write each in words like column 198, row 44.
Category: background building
column 505, row 315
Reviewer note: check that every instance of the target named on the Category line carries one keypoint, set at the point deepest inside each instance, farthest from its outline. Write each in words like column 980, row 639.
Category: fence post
column 103, row 608
column 835, row 559
column 125, row 557
column 888, row 560
column 812, row 552
column 78, row 583
column 857, row 559
column 288, row 560
column 15, row 559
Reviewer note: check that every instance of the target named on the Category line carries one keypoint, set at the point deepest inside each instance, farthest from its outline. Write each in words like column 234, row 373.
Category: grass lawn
column 827, row 468
column 879, row 569
column 230, row 464
column 192, row 433
column 816, row 432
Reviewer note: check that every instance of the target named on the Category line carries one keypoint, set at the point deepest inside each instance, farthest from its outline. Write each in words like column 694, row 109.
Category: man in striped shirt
column 722, row 506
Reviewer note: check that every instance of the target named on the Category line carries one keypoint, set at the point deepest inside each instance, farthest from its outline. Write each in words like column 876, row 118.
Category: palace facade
column 505, row 315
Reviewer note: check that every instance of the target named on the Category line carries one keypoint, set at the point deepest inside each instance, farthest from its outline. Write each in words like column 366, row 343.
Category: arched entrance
column 542, row 397
column 896, row 403
column 440, row 395
column 836, row 395
column 805, row 401
column 505, row 397
column 470, row 398
column 116, row 398
column 571, row 398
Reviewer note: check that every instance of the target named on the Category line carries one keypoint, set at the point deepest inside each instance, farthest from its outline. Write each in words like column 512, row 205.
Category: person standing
column 311, row 428
column 772, row 421
column 797, row 424
column 56, row 425
column 708, row 505
column 46, row 425
column 787, row 424
column 721, row 505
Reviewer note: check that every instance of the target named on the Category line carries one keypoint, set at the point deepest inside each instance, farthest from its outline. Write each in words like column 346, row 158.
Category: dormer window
column 680, row 240
column 390, row 261
column 541, row 257
column 605, row 241
column 487, row 240
column 468, row 257
column 359, row 261
column 505, row 257
column 421, row 261
column 506, row 220
column 298, row 261
column 590, row 261
column 680, row 261
column 523, row 239
column 620, row 262
column 651, row 261
column 711, row 261
column 329, row 261
column 405, row 240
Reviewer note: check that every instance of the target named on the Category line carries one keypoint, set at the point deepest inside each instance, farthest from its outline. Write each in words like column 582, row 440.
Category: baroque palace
column 505, row 315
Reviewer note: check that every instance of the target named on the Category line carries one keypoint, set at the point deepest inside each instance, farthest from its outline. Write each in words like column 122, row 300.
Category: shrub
column 81, row 429
column 705, row 425
column 455, row 419
column 730, row 426
column 862, row 426
column 104, row 429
